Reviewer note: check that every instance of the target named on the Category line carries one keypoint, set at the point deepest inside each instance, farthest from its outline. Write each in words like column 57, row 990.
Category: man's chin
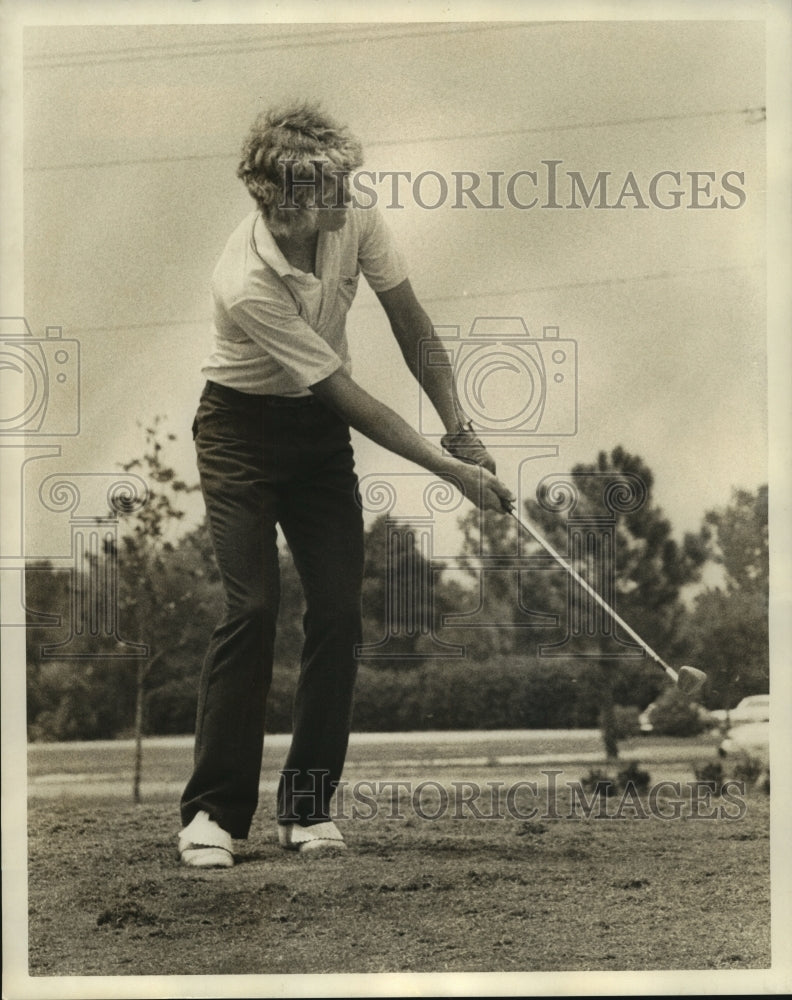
column 334, row 220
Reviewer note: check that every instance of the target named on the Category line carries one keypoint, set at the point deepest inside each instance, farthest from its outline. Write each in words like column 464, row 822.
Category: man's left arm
column 415, row 336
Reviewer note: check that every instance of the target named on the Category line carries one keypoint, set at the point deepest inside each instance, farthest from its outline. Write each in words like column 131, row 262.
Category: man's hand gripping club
column 382, row 425
column 465, row 446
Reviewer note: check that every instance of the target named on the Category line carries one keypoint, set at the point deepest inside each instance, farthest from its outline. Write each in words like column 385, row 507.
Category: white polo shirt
column 279, row 330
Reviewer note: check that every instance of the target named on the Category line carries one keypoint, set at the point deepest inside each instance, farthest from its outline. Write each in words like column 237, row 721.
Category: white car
column 750, row 739
column 754, row 708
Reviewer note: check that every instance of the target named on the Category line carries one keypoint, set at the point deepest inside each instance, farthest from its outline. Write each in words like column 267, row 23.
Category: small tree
column 156, row 610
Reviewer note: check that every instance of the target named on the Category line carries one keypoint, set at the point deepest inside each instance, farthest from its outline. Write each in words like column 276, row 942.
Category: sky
column 131, row 139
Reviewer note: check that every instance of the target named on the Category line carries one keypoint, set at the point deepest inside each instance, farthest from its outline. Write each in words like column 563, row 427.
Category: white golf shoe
column 203, row 844
column 306, row 839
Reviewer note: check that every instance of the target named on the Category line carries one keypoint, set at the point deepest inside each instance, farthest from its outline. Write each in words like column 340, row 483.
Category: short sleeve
column 380, row 259
column 279, row 330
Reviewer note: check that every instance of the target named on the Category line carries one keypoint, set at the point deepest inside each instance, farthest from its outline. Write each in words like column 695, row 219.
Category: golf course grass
column 483, row 865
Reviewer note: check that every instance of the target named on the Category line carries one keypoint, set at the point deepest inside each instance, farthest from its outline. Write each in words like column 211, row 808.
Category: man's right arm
column 385, row 427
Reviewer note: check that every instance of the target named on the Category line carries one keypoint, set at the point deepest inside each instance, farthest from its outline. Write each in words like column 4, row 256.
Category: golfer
column 272, row 436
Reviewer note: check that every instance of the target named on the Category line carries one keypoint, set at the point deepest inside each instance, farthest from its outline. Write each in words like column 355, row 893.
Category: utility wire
column 597, row 282
column 459, row 297
column 501, row 133
column 332, row 35
column 572, row 127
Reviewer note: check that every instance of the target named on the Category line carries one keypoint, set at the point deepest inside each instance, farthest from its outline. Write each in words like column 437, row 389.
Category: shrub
column 710, row 771
column 752, row 770
column 501, row 693
column 81, row 701
column 598, row 782
column 170, row 708
column 633, row 774
column 626, row 719
column 391, row 700
column 603, row 783
column 674, row 715
column 742, row 767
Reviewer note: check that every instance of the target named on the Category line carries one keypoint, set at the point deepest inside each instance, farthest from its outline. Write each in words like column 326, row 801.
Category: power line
column 597, row 282
column 458, row 297
column 92, row 57
column 377, row 144
column 333, row 35
column 655, row 276
column 572, row 127
column 136, row 161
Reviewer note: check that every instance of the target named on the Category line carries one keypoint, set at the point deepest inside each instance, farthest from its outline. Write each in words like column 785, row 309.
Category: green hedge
column 507, row 693
column 501, row 694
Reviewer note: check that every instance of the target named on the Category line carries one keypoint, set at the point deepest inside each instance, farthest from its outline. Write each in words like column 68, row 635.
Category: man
column 273, row 448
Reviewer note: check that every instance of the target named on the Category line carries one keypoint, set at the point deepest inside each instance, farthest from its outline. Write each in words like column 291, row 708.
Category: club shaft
column 593, row 593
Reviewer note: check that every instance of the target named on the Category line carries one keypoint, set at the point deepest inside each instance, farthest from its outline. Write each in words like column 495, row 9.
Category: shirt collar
column 268, row 250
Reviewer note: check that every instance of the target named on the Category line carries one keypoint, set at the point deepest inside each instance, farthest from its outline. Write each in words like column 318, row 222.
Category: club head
column 690, row 681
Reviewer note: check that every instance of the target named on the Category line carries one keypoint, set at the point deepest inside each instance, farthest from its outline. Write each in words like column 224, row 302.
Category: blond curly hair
column 298, row 142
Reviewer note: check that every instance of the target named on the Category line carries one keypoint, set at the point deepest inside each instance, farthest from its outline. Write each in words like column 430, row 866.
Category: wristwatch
column 465, row 445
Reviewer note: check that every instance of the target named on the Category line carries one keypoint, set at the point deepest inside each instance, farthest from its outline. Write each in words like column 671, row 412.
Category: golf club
column 688, row 680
